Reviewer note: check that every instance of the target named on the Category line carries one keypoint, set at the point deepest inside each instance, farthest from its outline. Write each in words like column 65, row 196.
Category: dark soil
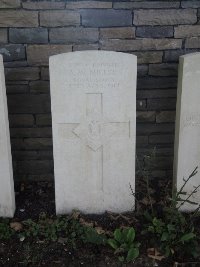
column 35, row 199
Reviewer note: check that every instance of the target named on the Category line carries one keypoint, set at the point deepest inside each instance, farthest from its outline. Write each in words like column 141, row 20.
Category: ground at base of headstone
column 32, row 237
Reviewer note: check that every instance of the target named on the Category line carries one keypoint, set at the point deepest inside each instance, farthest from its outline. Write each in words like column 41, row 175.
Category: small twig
column 133, row 193
column 186, row 180
column 147, row 184
column 195, row 212
column 189, row 196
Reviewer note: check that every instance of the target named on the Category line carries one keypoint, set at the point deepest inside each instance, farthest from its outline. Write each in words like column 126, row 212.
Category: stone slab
column 93, row 98
column 7, row 197
column 187, row 136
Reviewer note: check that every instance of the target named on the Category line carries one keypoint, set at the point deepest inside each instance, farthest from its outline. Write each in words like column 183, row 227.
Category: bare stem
column 146, row 177
column 186, row 181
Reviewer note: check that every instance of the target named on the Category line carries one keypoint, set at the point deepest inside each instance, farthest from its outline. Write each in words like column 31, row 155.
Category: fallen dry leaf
column 75, row 214
column 83, row 222
column 145, row 201
column 17, row 226
column 100, row 230
column 153, row 253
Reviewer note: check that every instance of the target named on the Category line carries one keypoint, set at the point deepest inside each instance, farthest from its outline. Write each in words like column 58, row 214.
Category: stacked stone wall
column 158, row 32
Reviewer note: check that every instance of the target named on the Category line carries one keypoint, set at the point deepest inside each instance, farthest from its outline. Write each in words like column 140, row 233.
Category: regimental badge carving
column 91, row 132
column 95, row 130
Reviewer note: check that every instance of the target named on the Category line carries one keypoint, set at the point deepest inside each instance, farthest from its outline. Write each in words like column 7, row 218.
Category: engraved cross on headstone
column 95, row 131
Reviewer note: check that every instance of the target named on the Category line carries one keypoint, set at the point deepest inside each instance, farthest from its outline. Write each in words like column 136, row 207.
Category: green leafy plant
column 51, row 229
column 73, row 232
column 173, row 239
column 124, row 244
column 31, row 229
column 90, row 235
column 174, row 232
column 69, row 229
column 5, row 231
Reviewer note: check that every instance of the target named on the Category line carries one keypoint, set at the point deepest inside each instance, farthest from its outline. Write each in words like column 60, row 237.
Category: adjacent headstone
column 7, row 198
column 93, row 97
column 187, row 136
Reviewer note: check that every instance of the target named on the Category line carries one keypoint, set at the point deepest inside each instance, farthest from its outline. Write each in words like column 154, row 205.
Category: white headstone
column 93, row 97
column 187, row 136
column 7, row 198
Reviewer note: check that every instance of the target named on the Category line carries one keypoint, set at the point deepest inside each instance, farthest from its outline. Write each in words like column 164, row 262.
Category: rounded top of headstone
column 190, row 56
column 93, row 54
column 190, row 62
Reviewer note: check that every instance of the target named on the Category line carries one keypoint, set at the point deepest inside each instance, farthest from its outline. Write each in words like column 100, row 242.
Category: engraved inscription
column 96, row 75
column 191, row 120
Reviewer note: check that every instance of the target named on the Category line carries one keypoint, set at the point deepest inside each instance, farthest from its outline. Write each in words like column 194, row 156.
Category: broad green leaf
column 147, row 216
column 164, row 236
column 195, row 253
column 187, row 237
column 119, row 250
column 113, row 243
column 167, row 251
column 151, row 229
column 125, row 246
column 137, row 244
column 124, row 234
column 121, row 258
column 130, row 235
column 133, row 253
column 155, row 221
column 170, row 227
column 118, row 235
column 91, row 236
